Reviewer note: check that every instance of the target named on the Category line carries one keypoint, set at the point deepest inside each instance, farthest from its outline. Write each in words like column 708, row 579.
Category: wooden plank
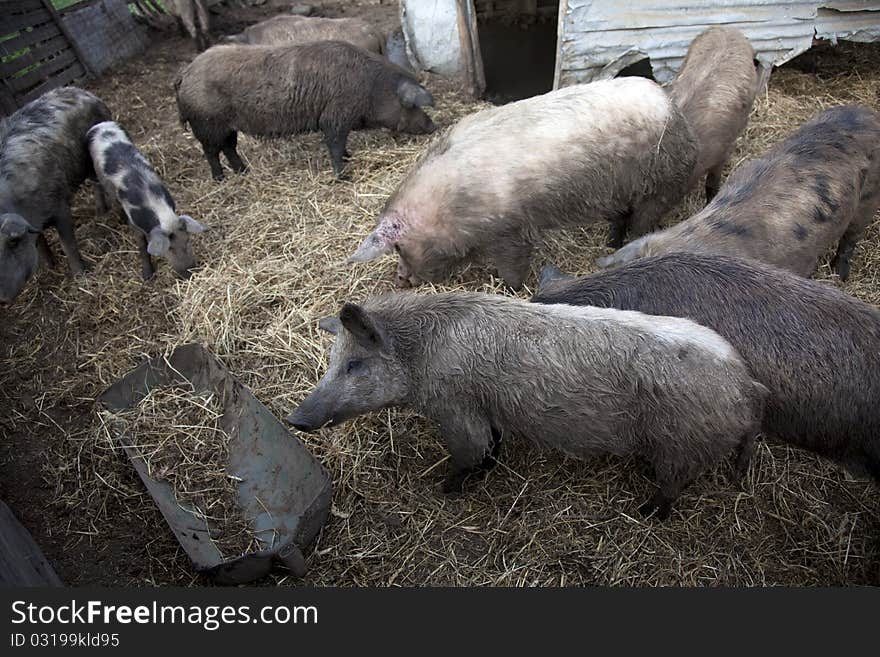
column 471, row 56
column 46, row 70
column 78, row 5
column 21, row 21
column 22, row 563
column 58, row 21
column 34, row 56
column 26, row 39
column 66, row 77
column 155, row 6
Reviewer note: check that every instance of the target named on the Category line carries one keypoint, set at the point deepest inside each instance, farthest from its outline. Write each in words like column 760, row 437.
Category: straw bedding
column 273, row 267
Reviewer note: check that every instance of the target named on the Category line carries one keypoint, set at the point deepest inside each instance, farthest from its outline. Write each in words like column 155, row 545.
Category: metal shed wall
column 597, row 39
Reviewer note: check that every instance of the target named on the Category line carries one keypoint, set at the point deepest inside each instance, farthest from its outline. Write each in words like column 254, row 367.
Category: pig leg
column 617, row 229
column 212, row 154
column 671, row 477
column 44, row 251
column 645, row 219
column 744, row 453
column 713, row 181
column 147, row 268
column 64, row 225
column 469, row 440
column 854, row 232
column 102, row 203
column 336, row 140
column 230, row 144
column 512, row 257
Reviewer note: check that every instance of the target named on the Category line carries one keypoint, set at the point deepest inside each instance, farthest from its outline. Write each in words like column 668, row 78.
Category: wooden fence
column 42, row 48
column 40, row 56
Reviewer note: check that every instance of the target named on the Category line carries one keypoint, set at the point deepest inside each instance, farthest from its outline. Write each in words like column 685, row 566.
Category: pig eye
column 354, row 366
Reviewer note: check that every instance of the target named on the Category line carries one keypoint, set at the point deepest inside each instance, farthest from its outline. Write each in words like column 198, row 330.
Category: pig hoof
column 657, row 506
column 454, row 483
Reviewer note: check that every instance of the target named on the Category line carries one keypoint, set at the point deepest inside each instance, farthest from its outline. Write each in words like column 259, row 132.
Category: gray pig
column 270, row 91
column 818, row 188
column 43, row 161
column 19, row 243
column 715, row 89
column 585, row 381
column 814, row 347
column 193, row 18
column 287, row 30
column 134, row 187
column 615, row 150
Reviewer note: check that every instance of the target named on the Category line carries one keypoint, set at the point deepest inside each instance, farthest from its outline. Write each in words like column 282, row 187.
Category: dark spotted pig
column 815, row 348
column 818, row 188
column 131, row 183
column 585, row 381
column 270, row 91
column 715, row 89
column 616, row 150
column 43, row 161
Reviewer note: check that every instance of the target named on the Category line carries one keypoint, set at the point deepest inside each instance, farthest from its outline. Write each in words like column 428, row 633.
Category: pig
column 192, row 18
column 586, row 381
column 43, row 161
column 815, row 348
column 715, row 89
column 286, row 30
column 395, row 49
column 818, row 188
column 617, row 150
column 270, row 91
column 131, row 184
column 18, row 255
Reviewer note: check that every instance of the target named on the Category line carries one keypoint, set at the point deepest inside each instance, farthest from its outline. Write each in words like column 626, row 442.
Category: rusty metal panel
column 599, row 39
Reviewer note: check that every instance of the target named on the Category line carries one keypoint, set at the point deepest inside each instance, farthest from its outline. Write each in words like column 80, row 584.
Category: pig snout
column 431, row 127
column 309, row 416
column 184, row 274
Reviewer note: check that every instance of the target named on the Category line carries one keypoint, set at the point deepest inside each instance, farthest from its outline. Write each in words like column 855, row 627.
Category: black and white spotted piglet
column 126, row 176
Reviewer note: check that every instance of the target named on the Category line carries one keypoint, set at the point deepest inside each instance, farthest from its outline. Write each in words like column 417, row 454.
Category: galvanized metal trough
column 284, row 491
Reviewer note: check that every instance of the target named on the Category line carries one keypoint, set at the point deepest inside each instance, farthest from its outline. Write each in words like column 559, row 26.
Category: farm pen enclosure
column 272, row 267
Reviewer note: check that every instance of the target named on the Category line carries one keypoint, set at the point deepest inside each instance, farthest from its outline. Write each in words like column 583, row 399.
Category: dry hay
column 176, row 432
column 273, row 267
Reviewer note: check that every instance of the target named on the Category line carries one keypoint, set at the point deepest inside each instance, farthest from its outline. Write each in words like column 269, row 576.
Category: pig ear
column 330, row 324
column 358, row 322
column 191, row 225
column 412, row 94
column 371, row 248
column 158, row 243
column 630, row 252
column 550, row 275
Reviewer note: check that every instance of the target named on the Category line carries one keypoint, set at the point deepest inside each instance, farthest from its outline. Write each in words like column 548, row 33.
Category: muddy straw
column 272, row 269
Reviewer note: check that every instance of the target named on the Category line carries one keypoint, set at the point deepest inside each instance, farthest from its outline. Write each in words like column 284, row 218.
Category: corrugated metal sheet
column 597, row 39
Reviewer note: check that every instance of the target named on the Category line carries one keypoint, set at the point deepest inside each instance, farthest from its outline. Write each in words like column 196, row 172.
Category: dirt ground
column 277, row 236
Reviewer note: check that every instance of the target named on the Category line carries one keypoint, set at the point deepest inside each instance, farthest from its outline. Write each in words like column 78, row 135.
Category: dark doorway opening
column 640, row 69
column 518, row 46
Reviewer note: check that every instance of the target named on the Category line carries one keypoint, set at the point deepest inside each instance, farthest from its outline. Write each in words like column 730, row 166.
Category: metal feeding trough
column 283, row 490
